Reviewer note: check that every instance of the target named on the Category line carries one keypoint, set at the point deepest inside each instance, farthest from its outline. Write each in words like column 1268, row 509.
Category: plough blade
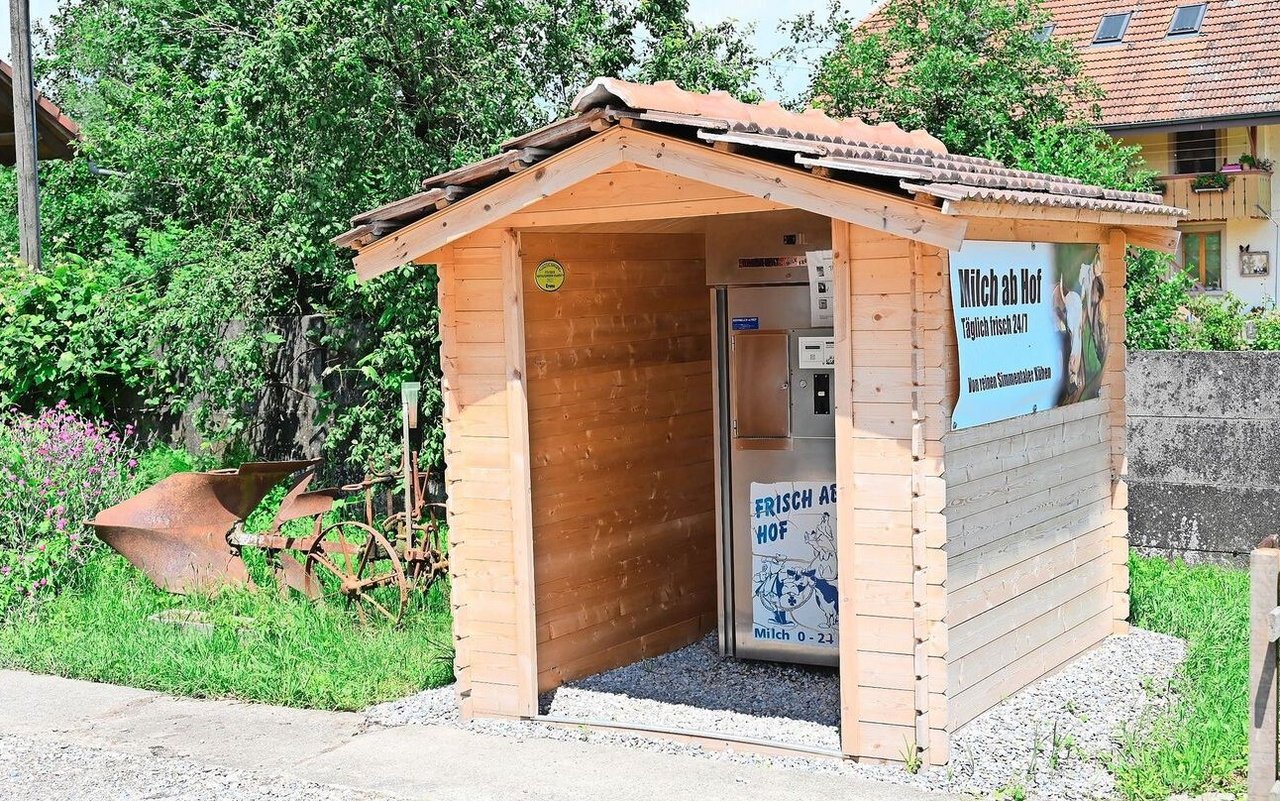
column 176, row 531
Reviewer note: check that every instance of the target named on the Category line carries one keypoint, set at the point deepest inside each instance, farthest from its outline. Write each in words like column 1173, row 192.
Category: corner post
column 521, row 482
column 1264, row 592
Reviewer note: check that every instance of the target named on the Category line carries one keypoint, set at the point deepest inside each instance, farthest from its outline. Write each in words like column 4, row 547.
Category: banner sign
column 1031, row 326
column 793, row 563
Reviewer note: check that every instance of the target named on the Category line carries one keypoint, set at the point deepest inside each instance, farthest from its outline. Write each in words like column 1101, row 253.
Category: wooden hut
column 583, row 434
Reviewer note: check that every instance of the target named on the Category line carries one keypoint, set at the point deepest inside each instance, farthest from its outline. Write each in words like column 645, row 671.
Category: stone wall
column 1204, row 452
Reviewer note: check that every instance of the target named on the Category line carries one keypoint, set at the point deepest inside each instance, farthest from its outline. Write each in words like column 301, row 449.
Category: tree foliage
column 234, row 139
column 977, row 74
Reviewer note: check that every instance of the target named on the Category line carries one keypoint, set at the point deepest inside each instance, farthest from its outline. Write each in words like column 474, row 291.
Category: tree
column 242, row 134
column 979, row 75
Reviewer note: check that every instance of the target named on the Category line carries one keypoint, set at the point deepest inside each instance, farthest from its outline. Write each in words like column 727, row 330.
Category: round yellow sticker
column 549, row 275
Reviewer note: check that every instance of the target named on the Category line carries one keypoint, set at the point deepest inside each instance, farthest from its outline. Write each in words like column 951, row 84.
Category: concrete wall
column 1204, row 455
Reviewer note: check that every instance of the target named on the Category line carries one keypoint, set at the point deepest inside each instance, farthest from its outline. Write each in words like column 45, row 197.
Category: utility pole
column 24, row 131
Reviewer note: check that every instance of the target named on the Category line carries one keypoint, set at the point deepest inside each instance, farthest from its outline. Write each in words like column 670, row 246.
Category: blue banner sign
column 1031, row 328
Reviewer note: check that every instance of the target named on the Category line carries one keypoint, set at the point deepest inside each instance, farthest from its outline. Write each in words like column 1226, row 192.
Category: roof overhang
column 742, row 158
column 786, row 186
column 1197, row 124
column 55, row 131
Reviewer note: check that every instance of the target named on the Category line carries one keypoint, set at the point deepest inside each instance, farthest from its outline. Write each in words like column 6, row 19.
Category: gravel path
column 1048, row 738
column 33, row 769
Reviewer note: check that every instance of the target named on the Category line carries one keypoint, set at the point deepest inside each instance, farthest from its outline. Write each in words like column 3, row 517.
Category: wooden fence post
column 1264, row 593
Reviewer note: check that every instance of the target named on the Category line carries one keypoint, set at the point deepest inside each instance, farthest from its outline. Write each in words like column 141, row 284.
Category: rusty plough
column 187, row 534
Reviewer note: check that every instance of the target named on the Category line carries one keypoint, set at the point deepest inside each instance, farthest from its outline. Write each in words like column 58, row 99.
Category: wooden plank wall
column 1029, row 552
column 621, row 449
column 891, row 409
column 478, row 454
column 1037, row 532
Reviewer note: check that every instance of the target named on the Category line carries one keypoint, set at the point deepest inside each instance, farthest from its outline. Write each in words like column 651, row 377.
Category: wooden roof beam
column 786, row 186
column 795, row 188
column 985, row 208
column 490, row 204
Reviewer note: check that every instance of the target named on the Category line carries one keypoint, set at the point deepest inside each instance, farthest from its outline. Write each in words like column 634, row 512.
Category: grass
column 293, row 653
column 1200, row 743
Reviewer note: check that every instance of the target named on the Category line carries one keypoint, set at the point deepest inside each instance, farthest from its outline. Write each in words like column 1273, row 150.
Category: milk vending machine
column 776, row 450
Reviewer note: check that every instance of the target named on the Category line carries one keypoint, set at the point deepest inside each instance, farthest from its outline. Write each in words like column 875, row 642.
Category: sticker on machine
column 793, row 563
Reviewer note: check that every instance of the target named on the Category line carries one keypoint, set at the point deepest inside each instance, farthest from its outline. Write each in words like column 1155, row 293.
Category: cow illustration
column 1082, row 320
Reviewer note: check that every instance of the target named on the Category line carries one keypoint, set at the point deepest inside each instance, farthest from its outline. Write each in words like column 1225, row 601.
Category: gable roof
column 55, row 131
column 1229, row 70
column 910, row 171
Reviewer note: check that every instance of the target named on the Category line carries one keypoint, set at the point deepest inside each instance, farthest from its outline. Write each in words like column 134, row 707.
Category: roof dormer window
column 1044, row 33
column 1112, row 28
column 1187, row 19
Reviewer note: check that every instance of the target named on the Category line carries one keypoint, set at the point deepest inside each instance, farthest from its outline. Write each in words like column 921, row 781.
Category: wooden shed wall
column 896, row 356
column 620, row 440
column 480, row 393
column 1029, row 568
column 1037, row 534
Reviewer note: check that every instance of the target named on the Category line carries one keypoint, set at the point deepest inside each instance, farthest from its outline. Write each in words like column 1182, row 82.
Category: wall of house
column 621, row 449
column 1259, row 234
column 1029, row 563
column 1036, row 538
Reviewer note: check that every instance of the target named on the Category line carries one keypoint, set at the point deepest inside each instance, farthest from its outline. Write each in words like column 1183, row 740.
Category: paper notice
column 821, row 289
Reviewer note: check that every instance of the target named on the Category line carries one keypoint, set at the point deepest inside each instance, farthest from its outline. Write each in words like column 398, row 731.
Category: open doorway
column 628, row 356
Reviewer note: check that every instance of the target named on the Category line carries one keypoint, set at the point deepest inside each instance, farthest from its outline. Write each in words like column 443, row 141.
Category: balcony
column 1248, row 195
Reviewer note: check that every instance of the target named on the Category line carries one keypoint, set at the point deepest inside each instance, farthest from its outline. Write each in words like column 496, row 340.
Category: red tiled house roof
column 55, row 130
column 1229, row 70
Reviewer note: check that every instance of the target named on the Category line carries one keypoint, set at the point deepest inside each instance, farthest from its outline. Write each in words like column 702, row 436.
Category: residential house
column 1197, row 85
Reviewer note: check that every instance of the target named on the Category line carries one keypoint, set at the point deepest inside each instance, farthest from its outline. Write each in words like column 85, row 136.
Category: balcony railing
column 1248, row 195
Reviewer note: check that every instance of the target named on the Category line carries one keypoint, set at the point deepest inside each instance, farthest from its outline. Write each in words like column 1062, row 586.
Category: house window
column 1202, row 258
column 1187, row 19
column 1195, row 151
column 1044, row 33
column 1111, row 29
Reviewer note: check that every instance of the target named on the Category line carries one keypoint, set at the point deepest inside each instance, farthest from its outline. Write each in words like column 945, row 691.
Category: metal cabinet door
column 758, row 376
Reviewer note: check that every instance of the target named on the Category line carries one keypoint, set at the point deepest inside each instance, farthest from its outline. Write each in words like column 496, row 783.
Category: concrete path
column 420, row 762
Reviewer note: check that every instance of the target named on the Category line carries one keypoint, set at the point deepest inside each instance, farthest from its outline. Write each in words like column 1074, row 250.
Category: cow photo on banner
column 1030, row 328
column 794, row 580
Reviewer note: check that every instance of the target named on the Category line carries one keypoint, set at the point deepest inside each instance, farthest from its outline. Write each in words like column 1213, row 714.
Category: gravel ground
column 697, row 689
column 1048, row 738
column 37, row 770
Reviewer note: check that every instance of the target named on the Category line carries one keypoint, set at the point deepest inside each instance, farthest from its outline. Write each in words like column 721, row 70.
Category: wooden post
column 1264, row 592
column 24, row 129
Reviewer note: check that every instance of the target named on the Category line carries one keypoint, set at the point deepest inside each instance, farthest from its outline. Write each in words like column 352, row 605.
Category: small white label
column 816, row 353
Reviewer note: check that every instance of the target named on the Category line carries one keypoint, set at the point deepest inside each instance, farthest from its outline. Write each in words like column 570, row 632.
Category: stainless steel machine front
column 776, row 451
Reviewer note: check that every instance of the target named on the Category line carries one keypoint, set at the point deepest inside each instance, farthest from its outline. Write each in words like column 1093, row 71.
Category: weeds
column 295, row 653
column 911, row 760
column 1200, row 743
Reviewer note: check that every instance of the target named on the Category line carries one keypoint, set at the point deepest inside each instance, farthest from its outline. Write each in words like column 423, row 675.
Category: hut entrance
column 682, row 474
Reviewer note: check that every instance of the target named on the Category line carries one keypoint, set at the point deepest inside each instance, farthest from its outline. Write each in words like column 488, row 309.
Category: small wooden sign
column 549, row 275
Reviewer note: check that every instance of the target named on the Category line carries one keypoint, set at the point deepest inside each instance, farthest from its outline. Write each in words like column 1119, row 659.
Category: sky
column 764, row 14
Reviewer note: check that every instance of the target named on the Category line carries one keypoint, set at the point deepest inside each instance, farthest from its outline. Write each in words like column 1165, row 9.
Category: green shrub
column 1156, row 294
column 1211, row 323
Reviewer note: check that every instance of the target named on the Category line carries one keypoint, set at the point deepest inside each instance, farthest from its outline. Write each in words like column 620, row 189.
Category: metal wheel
column 354, row 562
